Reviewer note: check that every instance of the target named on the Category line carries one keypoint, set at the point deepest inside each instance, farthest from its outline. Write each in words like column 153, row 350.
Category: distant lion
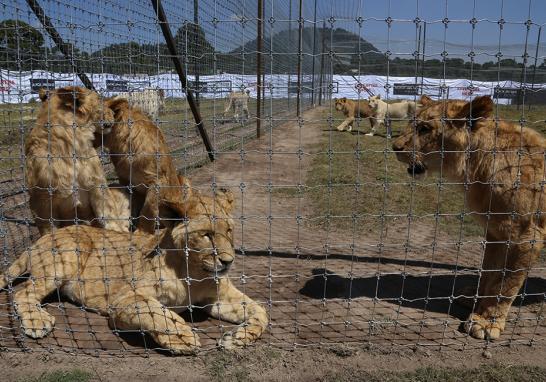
column 382, row 110
column 138, row 277
column 64, row 174
column 502, row 167
column 352, row 110
column 238, row 102
column 149, row 101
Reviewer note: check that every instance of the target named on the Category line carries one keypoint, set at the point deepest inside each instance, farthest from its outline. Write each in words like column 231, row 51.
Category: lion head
column 440, row 134
column 85, row 106
column 205, row 231
column 373, row 101
column 340, row 103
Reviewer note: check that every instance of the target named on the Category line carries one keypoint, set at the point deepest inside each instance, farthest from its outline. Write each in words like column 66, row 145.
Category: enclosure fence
column 335, row 240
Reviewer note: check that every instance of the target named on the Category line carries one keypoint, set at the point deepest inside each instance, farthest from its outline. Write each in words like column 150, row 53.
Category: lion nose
column 226, row 262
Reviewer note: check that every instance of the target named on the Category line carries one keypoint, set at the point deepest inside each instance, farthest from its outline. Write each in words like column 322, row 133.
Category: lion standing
column 352, row 110
column 238, row 102
column 502, row 167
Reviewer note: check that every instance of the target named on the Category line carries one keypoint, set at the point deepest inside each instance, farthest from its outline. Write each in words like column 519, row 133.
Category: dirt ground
column 338, row 301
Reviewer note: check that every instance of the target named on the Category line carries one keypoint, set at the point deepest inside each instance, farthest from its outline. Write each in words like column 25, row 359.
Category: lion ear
column 151, row 243
column 344, row 99
column 425, row 100
column 117, row 104
column 480, row 108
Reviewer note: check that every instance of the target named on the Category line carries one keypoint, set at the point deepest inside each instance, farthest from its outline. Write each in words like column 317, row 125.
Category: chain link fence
column 334, row 240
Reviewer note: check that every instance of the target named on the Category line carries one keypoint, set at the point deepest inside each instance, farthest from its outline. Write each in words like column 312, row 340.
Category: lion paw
column 482, row 328
column 37, row 323
column 371, row 134
column 179, row 344
column 339, row 128
column 238, row 339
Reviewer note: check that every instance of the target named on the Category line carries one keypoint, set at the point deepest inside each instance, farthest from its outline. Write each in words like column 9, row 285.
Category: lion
column 238, row 102
column 501, row 166
column 352, row 110
column 64, row 174
column 383, row 110
column 138, row 149
column 133, row 278
column 150, row 101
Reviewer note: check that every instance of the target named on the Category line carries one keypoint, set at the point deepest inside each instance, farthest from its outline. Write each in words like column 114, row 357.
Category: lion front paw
column 37, row 323
column 484, row 328
column 179, row 344
column 340, row 128
column 240, row 338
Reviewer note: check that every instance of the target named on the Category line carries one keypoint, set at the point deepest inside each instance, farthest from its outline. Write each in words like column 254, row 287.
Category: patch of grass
column 227, row 366
column 75, row 375
column 486, row 373
column 355, row 182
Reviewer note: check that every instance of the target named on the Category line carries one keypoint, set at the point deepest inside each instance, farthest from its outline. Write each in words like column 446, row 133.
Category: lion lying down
column 134, row 277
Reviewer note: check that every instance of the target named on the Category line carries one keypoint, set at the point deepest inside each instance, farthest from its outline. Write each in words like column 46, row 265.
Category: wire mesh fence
column 123, row 122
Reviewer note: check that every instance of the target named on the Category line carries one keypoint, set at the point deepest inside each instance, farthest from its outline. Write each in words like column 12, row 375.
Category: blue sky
column 102, row 22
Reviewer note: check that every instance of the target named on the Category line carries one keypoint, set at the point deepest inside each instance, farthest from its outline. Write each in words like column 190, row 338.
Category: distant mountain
column 283, row 47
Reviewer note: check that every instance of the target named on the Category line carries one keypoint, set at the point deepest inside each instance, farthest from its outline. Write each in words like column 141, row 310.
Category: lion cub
column 352, row 110
column 501, row 165
column 64, row 174
column 139, row 152
column 137, row 277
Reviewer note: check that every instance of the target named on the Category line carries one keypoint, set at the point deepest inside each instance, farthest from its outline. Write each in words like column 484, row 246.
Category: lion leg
column 504, row 272
column 348, row 121
column 110, row 206
column 150, row 211
column 234, row 306
column 137, row 312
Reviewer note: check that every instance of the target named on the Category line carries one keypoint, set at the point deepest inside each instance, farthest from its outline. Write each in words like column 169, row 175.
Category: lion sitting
column 383, row 111
column 134, row 277
column 501, row 165
column 352, row 110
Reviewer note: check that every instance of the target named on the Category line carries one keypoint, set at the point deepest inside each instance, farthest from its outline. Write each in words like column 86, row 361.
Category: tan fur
column 352, row 110
column 140, row 155
column 60, row 158
column 397, row 110
column 503, row 166
column 135, row 277
column 238, row 102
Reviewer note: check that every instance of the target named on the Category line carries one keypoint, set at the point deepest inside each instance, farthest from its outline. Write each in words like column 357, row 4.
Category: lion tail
column 17, row 268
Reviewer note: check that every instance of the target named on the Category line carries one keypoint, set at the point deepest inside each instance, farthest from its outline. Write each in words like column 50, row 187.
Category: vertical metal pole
column 64, row 47
column 300, row 33
column 322, row 62
column 196, row 26
column 259, row 70
column 536, row 61
column 423, row 62
column 314, row 54
column 165, row 28
column 289, row 47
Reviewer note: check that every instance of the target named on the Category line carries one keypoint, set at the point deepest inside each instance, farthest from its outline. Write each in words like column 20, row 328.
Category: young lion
column 64, row 173
column 502, row 167
column 352, row 110
column 383, row 110
column 142, row 160
column 238, row 102
column 137, row 277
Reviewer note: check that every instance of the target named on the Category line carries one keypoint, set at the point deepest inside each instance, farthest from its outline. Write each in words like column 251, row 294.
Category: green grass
column 355, row 182
column 75, row 375
column 485, row 373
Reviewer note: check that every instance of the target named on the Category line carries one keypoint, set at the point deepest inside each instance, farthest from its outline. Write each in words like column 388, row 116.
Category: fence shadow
column 419, row 292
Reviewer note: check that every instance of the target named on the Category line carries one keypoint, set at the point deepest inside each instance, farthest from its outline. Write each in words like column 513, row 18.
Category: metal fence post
column 300, row 33
column 259, row 70
column 165, row 28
